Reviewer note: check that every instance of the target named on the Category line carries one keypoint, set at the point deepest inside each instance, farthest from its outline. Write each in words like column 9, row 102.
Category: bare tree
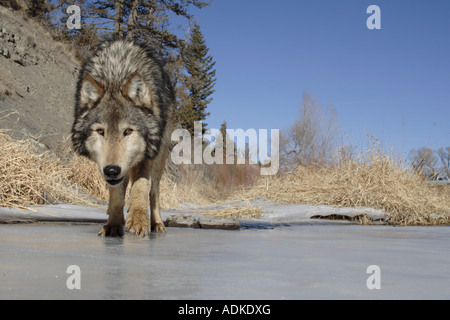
column 132, row 19
column 423, row 161
column 311, row 138
column 444, row 156
column 118, row 21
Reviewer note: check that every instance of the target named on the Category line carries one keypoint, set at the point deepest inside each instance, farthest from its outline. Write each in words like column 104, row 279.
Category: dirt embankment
column 37, row 81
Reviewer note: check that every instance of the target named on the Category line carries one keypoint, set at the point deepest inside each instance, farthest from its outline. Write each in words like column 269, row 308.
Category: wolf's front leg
column 114, row 226
column 138, row 221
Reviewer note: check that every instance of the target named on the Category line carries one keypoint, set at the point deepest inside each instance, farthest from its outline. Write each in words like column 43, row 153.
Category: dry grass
column 374, row 180
column 185, row 192
column 84, row 174
column 29, row 177
column 247, row 211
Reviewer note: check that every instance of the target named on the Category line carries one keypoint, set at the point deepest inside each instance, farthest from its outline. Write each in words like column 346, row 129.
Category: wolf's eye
column 101, row 132
column 127, row 132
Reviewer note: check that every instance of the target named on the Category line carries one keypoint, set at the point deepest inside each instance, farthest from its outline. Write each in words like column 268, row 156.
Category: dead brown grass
column 84, row 174
column 189, row 191
column 239, row 211
column 29, row 177
column 373, row 180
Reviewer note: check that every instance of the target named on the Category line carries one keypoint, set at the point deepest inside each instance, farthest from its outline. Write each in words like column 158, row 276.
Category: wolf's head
column 117, row 126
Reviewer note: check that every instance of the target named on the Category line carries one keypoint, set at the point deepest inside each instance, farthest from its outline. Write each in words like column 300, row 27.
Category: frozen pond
column 303, row 261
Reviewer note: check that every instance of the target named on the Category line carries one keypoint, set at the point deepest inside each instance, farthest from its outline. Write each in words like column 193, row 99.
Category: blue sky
column 392, row 83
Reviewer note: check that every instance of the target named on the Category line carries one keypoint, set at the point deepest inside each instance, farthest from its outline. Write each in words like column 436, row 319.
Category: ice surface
column 273, row 213
column 298, row 262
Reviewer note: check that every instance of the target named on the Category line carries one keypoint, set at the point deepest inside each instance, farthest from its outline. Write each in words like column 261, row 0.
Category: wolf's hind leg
column 156, row 220
column 114, row 226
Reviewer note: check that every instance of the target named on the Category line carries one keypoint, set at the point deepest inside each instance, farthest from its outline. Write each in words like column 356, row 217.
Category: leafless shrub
column 311, row 139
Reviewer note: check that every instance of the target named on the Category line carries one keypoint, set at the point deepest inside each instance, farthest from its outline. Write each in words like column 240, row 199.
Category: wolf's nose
column 112, row 172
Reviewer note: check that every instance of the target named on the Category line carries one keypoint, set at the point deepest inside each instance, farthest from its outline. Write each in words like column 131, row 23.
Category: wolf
column 124, row 106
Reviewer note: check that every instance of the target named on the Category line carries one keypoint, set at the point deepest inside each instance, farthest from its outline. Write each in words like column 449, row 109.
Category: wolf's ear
column 136, row 90
column 91, row 91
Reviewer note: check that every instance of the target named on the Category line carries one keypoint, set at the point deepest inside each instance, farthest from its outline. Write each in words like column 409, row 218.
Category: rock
column 219, row 223
column 6, row 54
column 20, row 61
column 20, row 49
column 204, row 222
column 181, row 221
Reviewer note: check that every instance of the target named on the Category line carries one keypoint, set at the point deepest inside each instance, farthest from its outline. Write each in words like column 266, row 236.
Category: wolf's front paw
column 111, row 231
column 138, row 224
